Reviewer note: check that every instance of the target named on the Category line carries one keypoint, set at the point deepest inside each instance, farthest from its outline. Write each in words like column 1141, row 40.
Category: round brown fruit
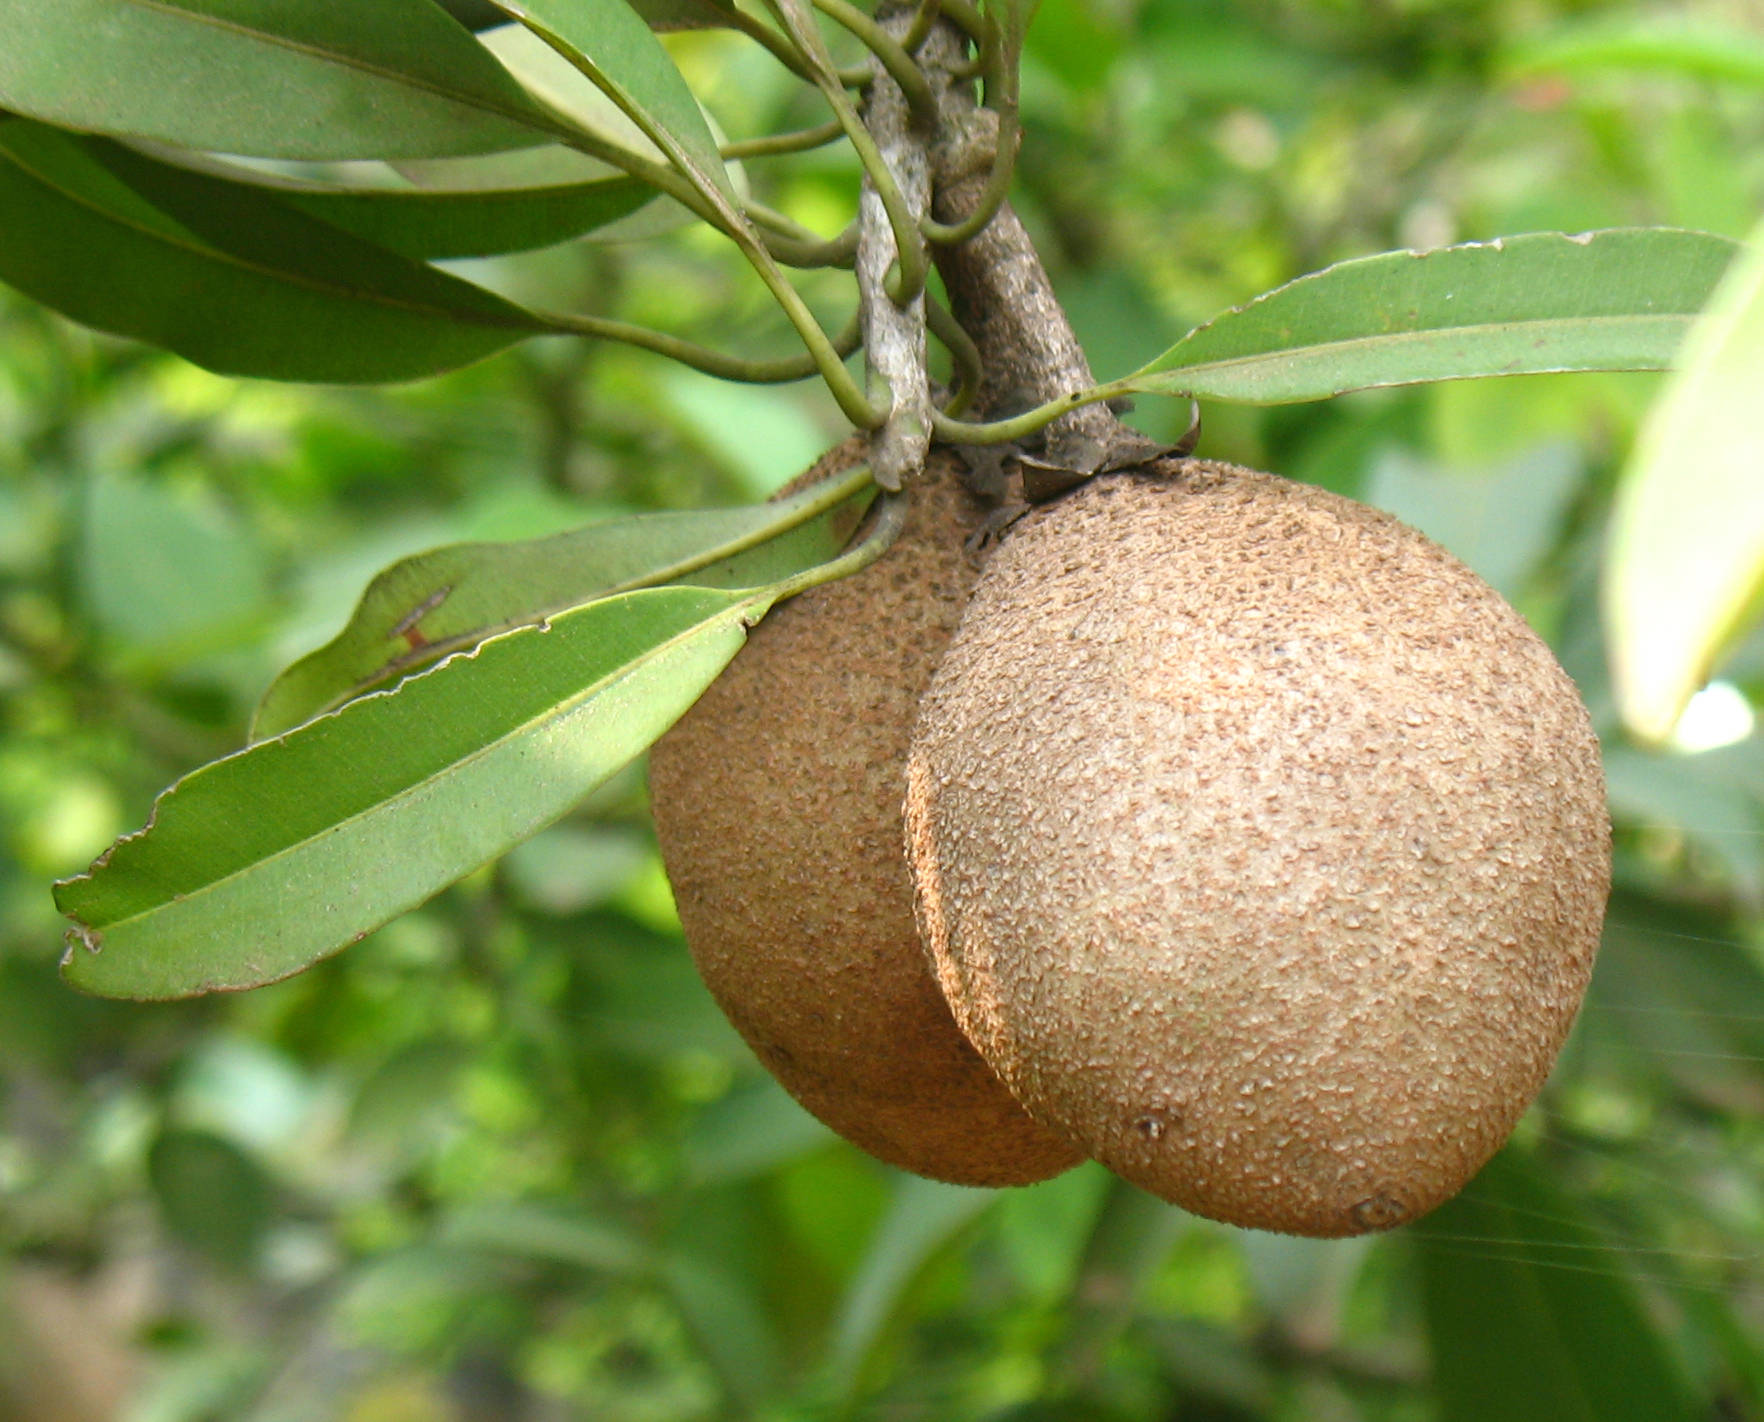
column 1260, row 847
column 778, row 805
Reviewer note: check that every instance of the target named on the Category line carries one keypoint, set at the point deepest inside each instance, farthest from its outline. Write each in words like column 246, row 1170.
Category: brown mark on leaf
column 407, row 625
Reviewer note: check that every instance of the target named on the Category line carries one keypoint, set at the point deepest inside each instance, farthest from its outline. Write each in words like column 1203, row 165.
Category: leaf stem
column 710, row 202
column 924, row 17
column 953, row 431
column 801, row 141
column 828, row 493
column 794, row 245
column 769, row 39
column 910, row 247
column 889, row 52
column 703, row 358
column 961, row 347
column 889, row 518
column 967, row 18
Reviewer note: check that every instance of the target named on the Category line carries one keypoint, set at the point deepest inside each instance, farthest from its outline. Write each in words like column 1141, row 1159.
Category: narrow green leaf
column 1532, row 1317
column 424, row 608
column 436, row 223
column 1686, row 562
column 432, row 225
column 1131, row 1237
column 923, row 1220
column 258, row 865
column 1695, row 49
column 1544, row 301
column 228, row 276
column 610, row 43
column 729, row 1323
column 325, row 79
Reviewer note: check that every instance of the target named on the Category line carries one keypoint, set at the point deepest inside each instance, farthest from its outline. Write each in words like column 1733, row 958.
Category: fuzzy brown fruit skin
column 777, row 802
column 1261, row 847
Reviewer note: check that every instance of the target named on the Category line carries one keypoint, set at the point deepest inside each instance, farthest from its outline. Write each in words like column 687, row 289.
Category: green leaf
column 1695, row 49
column 211, row 1195
column 1616, row 300
column 439, row 602
column 1130, row 1239
column 258, row 865
column 923, row 1221
column 432, row 225
column 228, row 276
column 1686, row 561
column 1532, row 1317
column 324, row 79
column 166, row 572
column 609, row 43
column 683, row 14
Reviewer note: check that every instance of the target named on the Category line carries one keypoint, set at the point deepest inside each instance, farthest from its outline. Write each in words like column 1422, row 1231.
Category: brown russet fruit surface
column 778, row 806
column 1260, row 847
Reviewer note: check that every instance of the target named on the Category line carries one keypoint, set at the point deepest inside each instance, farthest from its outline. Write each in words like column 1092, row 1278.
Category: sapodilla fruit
column 1260, row 847
column 777, row 802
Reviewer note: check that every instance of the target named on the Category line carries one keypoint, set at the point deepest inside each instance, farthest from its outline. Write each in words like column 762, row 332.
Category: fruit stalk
column 998, row 289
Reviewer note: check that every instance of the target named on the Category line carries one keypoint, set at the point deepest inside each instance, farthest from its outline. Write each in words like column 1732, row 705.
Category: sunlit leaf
column 425, row 607
column 614, row 47
column 323, row 79
column 258, row 865
column 228, row 276
column 1532, row 1316
column 1687, row 532
column 1616, row 300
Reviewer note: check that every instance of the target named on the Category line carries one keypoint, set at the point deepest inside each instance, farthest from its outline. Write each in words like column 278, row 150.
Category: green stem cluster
column 769, row 241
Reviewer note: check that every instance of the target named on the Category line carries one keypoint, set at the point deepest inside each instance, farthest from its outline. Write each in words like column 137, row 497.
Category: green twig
column 829, row 493
column 794, row 245
column 703, row 358
column 999, row 57
column 923, row 18
column 888, row 51
column 885, row 527
column 910, row 247
column 802, row 141
column 952, row 431
column 967, row 17
column 718, row 208
column 966, row 355
column 769, row 39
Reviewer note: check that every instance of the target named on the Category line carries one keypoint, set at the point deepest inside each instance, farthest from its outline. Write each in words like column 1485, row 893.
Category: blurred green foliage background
column 503, row 1160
